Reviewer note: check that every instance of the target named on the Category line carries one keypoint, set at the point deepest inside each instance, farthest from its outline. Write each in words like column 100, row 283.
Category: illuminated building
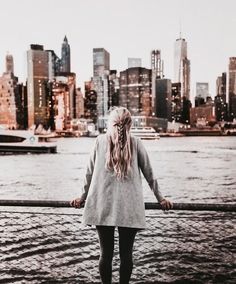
column 101, row 70
column 176, row 102
column 40, row 75
column 220, row 98
column 64, row 100
column 79, row 103
column 135, row 90
column 114, row 89
column 90, row 102
column 232, row 88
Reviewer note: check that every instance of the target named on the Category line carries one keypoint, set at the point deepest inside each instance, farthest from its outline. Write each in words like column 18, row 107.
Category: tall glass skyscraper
column 40, row 73
column 182, row 67
column 101, row 69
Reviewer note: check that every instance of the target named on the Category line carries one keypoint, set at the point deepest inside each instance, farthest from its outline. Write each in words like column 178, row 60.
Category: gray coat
column 112, row 202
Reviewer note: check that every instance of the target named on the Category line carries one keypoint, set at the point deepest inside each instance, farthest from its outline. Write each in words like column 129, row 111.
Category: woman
column 113, row 192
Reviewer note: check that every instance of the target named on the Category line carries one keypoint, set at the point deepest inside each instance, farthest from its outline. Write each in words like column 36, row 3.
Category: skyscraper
column 157, row 73
column 163, row 98
column 40, row 74
column 65, row 56
column 101, row 61
column 182, row 67
column 101, row 70
column 135, row 91
column 220, row 98
column 9, row 64
column 232, row 88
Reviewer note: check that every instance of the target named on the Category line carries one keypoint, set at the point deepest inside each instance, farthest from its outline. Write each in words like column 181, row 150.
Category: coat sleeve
column 89, row 171
column 146, row 168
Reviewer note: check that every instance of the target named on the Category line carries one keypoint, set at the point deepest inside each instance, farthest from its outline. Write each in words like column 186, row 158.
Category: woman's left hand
column 77, row 203
column 166, row 204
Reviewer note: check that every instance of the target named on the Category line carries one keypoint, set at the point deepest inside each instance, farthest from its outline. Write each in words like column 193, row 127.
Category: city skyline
column 126, row 31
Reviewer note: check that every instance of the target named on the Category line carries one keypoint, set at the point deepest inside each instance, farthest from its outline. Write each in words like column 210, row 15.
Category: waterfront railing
column 43, row 241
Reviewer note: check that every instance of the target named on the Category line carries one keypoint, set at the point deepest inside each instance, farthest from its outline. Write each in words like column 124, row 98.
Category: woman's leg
column 106, row 239
column 126, row 241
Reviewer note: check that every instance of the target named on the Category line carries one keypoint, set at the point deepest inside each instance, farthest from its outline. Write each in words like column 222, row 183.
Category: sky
column 125, row 28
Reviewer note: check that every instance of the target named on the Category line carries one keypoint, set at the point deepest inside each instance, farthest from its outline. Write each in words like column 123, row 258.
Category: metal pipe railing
column 224, row 207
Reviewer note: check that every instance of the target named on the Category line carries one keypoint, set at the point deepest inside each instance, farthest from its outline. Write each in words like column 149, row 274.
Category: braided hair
column 119, row 150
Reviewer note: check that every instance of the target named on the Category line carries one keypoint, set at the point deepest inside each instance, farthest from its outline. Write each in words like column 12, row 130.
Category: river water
column 178, row 247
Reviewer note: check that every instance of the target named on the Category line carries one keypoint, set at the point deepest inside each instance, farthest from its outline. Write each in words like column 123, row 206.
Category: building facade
column 157, row 73
column 65, row 56
column 90, row 102
column 64, row 100
column 182, row 67
column 163, row 98
column 176, row 102
column 13, row 102
column 220, row 98
column 135, row 91
column 40, row 76
column 101, row 70
column 232, row 88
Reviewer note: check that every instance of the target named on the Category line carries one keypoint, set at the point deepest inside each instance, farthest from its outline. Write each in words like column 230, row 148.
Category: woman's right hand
column 166, row 204
column 77, row 203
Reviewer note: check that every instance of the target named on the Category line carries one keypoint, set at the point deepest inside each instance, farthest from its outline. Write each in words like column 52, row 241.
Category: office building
column 101, row 70
column 9, row 64
column 41, row 71
column 64, row 103
column 90, row 102
column 79, row 103
column 163, row 98
column 176, row 102
column 182, row 67
column 157, row 73
column 135, row 90
column 13, row 101
column 65, row 56
column 220, row 98
column 232, row 88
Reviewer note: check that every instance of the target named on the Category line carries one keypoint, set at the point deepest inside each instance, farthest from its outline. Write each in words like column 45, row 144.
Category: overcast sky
column 125, row 28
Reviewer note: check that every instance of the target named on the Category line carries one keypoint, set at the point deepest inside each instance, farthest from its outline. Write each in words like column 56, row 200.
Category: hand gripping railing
column 225, row 207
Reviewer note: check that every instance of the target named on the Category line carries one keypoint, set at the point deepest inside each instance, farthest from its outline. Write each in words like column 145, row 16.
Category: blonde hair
column 119, row 150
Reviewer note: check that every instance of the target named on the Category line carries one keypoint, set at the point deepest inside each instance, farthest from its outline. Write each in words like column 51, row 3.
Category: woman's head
column 119, row 143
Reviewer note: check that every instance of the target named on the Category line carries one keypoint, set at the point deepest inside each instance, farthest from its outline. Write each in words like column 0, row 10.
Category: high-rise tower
column 101, row 69
column 232, row 88
column 40, row 74
column 9, row 64
column 182, row 67
column 65, row 56
column 157, row 73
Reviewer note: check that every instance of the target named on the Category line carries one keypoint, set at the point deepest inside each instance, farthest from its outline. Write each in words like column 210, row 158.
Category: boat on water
column 24, row 141
column 147, row 133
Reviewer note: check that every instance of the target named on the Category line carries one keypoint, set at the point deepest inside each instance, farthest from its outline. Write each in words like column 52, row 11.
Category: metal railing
column 50, row 245
column 224, row 207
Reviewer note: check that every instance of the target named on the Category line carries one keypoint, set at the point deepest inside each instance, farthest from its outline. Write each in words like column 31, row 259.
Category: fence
column 45, row 245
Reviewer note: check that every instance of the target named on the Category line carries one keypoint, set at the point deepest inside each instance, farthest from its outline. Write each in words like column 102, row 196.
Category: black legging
column 126, row 241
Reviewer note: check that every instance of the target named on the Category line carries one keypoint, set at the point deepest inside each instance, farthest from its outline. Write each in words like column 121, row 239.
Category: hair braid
column 119, row 151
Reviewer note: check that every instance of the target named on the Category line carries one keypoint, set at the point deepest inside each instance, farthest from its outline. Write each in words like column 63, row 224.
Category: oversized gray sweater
column 113, row 202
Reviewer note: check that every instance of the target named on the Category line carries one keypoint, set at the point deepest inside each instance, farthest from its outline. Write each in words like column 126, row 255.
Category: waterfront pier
column 43, row 241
